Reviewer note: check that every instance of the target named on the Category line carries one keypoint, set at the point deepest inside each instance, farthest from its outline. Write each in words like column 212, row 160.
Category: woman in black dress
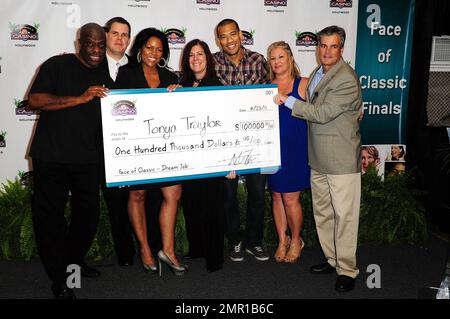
column 203, row 199
column 150, row 53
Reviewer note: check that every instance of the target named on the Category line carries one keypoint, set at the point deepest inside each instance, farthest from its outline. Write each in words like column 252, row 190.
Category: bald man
column 66, row 154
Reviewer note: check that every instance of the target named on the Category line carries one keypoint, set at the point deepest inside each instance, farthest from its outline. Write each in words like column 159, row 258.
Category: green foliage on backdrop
column 390, row 213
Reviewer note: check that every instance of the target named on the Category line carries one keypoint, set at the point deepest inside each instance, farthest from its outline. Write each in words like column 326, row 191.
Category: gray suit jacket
column 334, row 141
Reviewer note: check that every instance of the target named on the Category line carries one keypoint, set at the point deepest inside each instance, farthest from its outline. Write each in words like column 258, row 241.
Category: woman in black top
column 203, row 199
column 149, row 56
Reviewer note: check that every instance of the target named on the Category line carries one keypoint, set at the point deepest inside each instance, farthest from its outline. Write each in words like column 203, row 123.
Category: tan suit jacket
column 332, row 112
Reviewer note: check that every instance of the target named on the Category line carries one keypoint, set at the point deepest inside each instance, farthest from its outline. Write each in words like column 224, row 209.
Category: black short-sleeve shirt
column 71, row 135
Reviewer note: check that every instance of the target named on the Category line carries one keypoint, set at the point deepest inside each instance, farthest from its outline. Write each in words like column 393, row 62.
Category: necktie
column 117, row 68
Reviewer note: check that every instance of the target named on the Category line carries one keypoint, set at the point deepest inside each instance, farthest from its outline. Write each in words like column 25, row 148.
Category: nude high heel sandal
column 282, row 250
column 295, row 249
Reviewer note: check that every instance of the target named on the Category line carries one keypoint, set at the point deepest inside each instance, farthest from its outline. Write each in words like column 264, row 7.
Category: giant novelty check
column 152, row 135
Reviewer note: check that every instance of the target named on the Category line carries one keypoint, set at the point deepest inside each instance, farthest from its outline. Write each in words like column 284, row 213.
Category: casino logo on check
column 124, row 107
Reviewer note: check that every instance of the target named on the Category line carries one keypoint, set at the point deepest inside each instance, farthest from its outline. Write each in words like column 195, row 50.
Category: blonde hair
column 295, row 71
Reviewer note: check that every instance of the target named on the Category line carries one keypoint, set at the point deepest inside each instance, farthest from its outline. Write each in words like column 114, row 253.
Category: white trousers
column 336, row 204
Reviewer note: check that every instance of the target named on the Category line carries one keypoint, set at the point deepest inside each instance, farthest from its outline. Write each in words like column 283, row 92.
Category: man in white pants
column 332, row 110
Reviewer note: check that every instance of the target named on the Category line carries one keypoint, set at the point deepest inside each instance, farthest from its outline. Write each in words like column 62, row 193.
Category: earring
column 138, row 57
column 165, row 63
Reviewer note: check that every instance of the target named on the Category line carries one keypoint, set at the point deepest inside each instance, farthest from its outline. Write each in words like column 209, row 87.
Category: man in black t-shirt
column 66, row 153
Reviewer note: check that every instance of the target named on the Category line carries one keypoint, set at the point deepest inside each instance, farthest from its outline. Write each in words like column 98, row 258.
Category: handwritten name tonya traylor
column 188, row 123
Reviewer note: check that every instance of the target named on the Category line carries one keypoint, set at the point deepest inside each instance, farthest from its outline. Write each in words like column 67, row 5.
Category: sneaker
column 236, row 252
column 259, row 252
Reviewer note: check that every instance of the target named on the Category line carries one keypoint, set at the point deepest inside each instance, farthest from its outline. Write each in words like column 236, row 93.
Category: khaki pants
column 336, row 203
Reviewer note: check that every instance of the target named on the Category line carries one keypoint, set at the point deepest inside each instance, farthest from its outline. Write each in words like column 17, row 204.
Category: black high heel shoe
column 176, row 270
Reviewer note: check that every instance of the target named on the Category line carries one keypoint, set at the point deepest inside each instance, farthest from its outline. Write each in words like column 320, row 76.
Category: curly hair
column 142, row 38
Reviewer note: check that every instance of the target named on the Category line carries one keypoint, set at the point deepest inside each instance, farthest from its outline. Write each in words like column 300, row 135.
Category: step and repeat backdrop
column 378, row 46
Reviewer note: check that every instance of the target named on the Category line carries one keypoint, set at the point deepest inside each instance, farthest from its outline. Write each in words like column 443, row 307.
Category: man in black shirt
column 66, row 152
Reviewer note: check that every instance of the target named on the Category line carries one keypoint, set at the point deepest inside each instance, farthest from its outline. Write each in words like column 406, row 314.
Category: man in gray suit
column 332, row 110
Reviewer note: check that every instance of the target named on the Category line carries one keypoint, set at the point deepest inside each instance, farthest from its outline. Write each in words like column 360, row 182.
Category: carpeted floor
column 405, row 270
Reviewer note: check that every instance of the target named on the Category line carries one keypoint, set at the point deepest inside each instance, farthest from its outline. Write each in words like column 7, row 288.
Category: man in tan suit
column 332, row 110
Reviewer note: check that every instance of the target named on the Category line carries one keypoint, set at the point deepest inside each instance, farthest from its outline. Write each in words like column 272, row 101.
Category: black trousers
column 116, row 200
column 59, row 244
column 202, row 201
column 254, row 230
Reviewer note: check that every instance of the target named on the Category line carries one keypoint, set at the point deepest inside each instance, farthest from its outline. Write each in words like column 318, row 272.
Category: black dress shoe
column 63, row 292
column 89, row 272
column 324, row 268
column 345, row 283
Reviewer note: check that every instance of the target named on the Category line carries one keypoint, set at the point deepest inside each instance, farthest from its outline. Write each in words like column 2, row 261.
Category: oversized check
column 152, row 135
